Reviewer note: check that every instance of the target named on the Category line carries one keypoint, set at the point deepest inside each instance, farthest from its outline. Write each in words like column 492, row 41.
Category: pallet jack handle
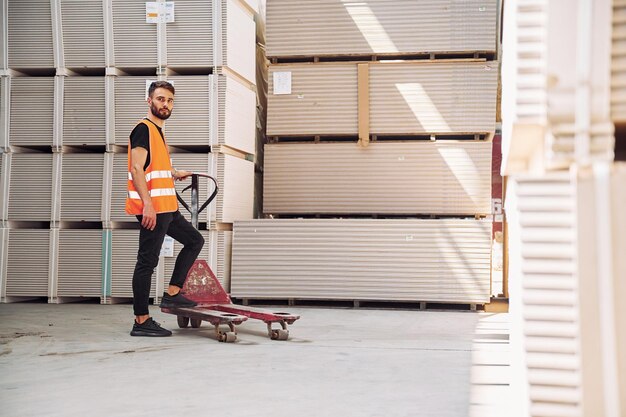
column 194, row 210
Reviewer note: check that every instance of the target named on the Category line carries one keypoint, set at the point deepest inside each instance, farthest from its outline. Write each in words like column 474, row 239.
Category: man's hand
column 149, row 217
column 181, row 174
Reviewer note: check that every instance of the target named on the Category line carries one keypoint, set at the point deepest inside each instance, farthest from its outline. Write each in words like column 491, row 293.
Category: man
column 152, row 199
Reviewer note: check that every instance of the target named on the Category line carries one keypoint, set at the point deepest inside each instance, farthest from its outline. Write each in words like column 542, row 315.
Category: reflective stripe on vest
column 154, row 174
column 158, row 176
column 159, row 192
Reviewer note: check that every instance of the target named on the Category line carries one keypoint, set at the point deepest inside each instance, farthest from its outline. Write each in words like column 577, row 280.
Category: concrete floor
column 79, row 360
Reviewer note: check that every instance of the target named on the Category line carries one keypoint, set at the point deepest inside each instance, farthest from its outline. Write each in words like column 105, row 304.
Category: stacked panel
column 190, row 37
column 30, row 34
column 618, row 64
column 4, row 249
column 27, row 263
column 30, row 187
column 541, row 83
column 405, row 98
column 550, row 290
column 424, row 111
column 129, row 98
column 191, row 117
column 79, row 263
column 84, row 111
column 31, row 111
column 134, row 40
column 209, row 110
column 80, row 88
column 236, row 115
column 82, row 186
column 4, row 186
column 237, row 38
column 408, row 178
column 336, row 27
column 203, row 35
column 4, row 113
column 83, row 33
column 411, row 259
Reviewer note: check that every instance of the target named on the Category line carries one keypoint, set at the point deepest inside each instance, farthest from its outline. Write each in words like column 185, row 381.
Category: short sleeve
column 140, row 137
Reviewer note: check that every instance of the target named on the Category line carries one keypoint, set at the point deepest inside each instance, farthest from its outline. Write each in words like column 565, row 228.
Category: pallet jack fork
column 214, row 304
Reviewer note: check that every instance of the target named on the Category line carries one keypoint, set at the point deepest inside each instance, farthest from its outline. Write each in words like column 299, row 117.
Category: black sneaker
column 149, row 328
column 178, row 300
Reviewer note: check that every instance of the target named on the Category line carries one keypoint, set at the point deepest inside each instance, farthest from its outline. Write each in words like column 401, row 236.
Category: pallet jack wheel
column 280, row 334
column 195, row 323
column 183, row 321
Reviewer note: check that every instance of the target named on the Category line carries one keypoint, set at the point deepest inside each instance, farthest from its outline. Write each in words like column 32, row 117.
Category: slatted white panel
column 135, row 41
column 80, row 263
column 618, row 192
column 323, row 100
column 30, row 189
column 190, row 36
column 30, row 34
column 618, row 67
column 531, row 82
column 236, row 115
column 130, row 106
column 124, row 245
column 119, row 189
column 31, row 111
column 84, row 111
column 562, row 142
column 433, row 98
column 4, row 248
column 4, row 112
column 524, row 82
column 83, row 33
column 216, row 251
column 339, row 27
column 27, row 263
column 405, row 98
column 4, row 177
column 386, row 177
column 190, row 119
column 413, row 259
column 548, row 227
column 194, row 162
column 238, row 32
column 81, row 186
column 235, row 200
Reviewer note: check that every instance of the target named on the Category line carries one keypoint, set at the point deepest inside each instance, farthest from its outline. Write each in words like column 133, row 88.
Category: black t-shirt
column 140, row 137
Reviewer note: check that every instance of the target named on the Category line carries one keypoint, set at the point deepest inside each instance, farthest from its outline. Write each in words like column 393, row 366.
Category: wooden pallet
column 327, row 138
column 421, row 56
column 371, row 304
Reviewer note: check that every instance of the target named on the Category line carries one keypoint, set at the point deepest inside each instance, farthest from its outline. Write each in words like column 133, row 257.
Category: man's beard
column 163, row 115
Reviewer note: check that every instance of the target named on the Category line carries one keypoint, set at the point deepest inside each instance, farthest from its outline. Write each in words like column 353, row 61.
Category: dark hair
column 160, row 84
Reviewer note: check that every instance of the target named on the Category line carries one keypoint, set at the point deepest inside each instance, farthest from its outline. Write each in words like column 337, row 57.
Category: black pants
column 150, row 242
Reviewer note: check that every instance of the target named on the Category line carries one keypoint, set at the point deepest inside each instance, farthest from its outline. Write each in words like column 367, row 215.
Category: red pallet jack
column 214, row 304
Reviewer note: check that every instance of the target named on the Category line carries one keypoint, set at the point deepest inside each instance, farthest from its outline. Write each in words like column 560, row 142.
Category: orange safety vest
column 158, row 177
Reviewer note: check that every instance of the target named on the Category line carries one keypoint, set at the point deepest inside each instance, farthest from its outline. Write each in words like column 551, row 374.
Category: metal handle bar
column 194, row 197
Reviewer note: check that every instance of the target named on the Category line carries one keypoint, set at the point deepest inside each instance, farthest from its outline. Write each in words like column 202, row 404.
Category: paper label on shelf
column 167, row 250
column 159, row 12
column 282, row 82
